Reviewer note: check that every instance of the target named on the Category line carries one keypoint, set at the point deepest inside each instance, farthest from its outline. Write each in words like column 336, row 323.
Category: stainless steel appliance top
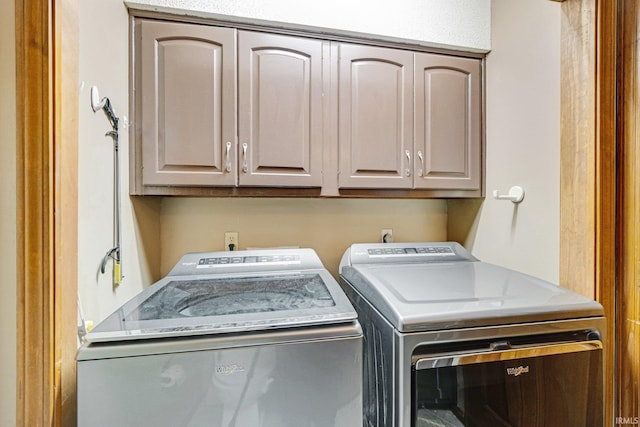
column 222, row 292
column 434, row 286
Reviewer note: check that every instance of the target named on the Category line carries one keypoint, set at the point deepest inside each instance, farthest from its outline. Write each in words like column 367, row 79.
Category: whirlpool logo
column 517, row 371
column 229, row 369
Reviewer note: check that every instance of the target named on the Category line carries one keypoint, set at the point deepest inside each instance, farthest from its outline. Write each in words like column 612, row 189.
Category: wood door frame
column 46, row 189
column 588, row 161
column 628, row 255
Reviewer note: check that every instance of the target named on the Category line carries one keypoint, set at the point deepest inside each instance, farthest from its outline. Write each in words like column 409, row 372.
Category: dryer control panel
column 431, row 250
column 374, row 253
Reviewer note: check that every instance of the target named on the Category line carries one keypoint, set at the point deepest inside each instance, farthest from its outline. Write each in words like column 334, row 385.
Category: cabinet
column 185, row 118
column 188, row 98
column 220, row 107
column 375, row 134
column 408, row 120
column 447, row 127
column 280, row 110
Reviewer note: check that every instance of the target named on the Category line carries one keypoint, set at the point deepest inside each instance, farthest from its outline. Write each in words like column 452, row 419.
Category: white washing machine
column 233, row 339
column 452, row 341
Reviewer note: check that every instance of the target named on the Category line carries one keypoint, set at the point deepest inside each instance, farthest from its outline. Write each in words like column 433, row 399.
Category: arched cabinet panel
column 280, row 120
column 375, row 117
column 447, row 122
column 186, row 121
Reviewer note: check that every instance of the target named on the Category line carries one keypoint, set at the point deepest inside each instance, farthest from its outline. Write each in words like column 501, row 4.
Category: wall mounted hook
column 96, row 102
column 516, row 194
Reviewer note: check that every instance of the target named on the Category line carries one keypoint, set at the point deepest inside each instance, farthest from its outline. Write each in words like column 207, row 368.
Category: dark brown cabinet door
column 187, row 104
column 375, row 117
column 447, row 122
column 280, row 110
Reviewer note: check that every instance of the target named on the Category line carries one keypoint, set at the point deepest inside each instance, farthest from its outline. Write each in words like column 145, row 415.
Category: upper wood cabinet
column 218, row 107
column 375, row 132
column 408, row 120
column 447, row 128
column 280, row 110
column 188, row 135
column 185, row 120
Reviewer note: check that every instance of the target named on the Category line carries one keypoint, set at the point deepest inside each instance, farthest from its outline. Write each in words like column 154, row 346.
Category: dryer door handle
column 484, row 356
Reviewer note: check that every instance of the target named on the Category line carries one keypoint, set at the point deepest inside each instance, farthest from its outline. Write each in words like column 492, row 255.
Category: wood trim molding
column 577, row 153
column 605, row 146
column 65, row 148
column 628, row 256
column 35, row 340
column 588, row 148
column 46, row 163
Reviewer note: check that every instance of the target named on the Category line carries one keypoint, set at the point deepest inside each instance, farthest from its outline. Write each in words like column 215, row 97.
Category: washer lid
column 440, row 294
column 272, row 290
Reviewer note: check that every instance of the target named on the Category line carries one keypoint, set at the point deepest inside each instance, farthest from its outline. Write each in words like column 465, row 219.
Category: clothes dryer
column 453, row 341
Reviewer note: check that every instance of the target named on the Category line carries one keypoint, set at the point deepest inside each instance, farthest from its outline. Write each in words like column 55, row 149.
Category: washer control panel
column 254, row 259
column 247, row 261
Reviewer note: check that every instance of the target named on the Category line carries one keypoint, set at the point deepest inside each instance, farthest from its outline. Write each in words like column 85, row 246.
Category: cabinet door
column 186, row 104
column 280, row 110
column 375, row 117
column 447, row 122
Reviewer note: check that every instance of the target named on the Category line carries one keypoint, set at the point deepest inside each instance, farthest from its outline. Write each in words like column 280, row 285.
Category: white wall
column 523, row 141
column 7, row 215
column 457, row 24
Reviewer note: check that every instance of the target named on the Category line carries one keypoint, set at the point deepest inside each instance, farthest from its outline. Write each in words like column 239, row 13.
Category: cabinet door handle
column 407, row 171
column 228, row 156
column 245, row 168
column 421, row 165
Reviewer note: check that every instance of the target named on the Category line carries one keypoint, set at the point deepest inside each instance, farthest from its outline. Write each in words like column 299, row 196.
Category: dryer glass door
column 547, row 385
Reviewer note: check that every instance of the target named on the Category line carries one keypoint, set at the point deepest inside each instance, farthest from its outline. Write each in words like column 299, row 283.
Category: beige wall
column 522, row 148
column 157, row 231
column 523, row 143
column 327, row 225
column 7, row 216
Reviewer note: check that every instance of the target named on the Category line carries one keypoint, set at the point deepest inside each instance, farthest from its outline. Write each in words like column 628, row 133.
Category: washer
column 253, row 338
column 452, row 341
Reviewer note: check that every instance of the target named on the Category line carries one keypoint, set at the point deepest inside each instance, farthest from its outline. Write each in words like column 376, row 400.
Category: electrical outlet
column 231, row 241
column 386, row 235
